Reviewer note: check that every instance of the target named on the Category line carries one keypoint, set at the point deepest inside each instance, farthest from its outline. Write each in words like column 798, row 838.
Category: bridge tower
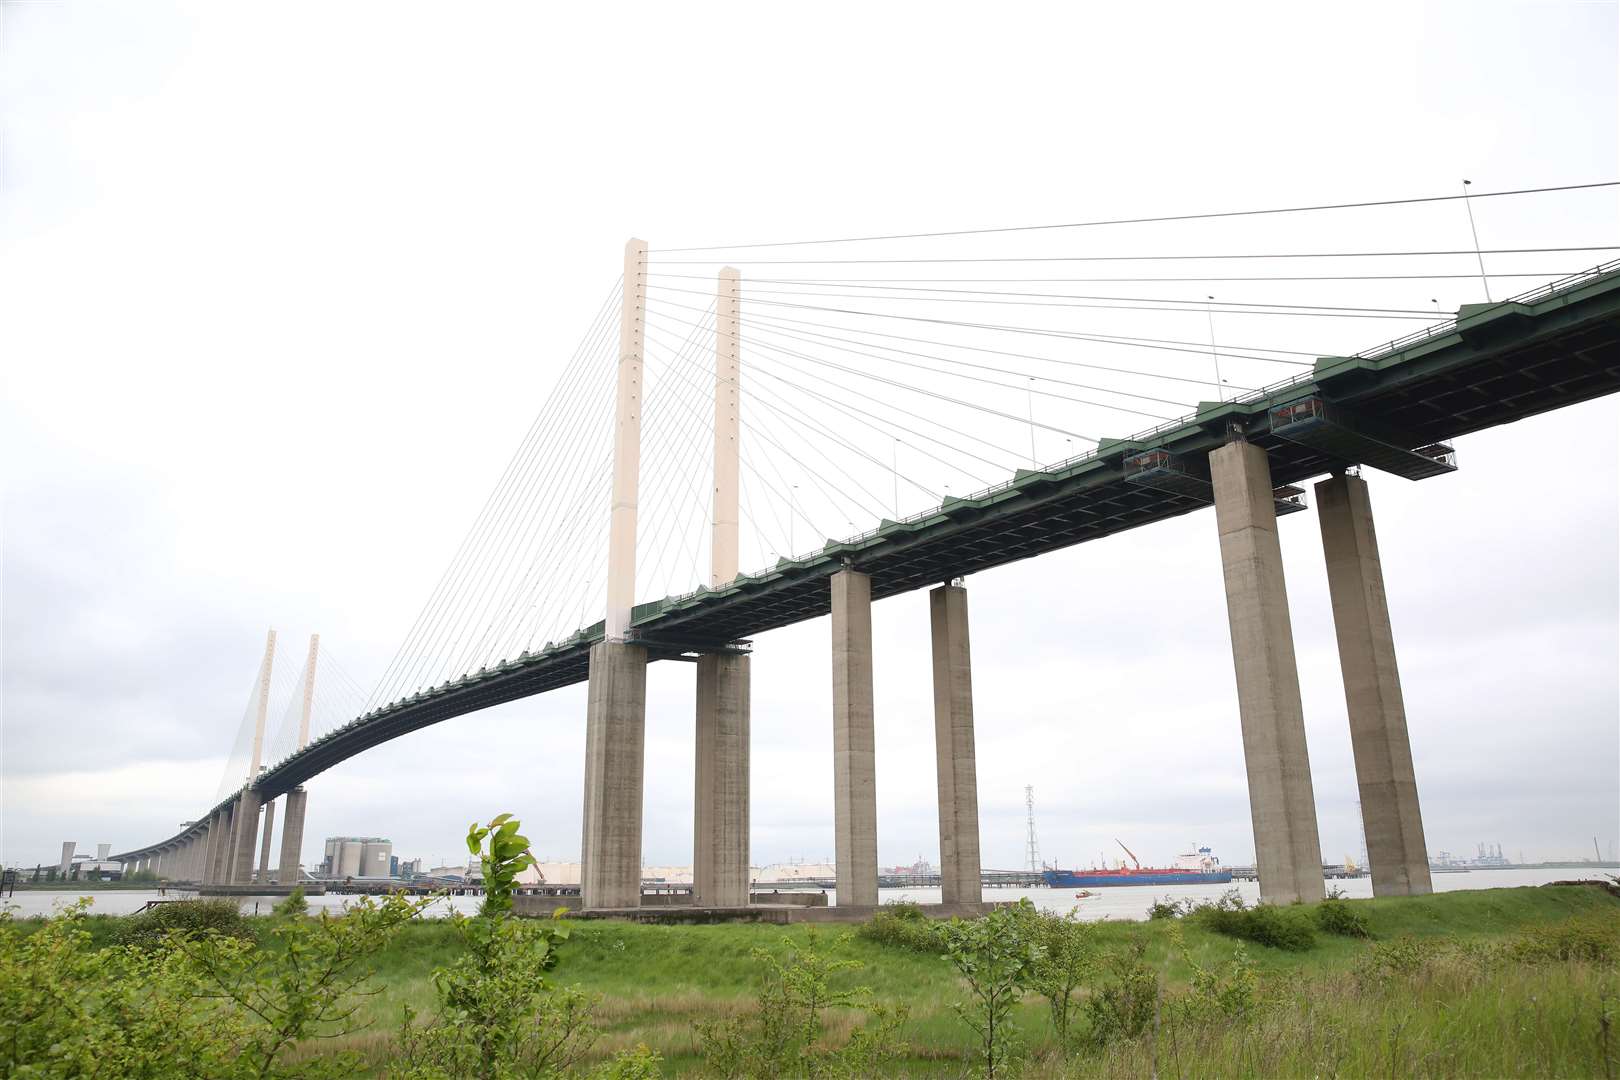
column 292, row 826
column 244, row 828
column 616, row 709
column 720, row 802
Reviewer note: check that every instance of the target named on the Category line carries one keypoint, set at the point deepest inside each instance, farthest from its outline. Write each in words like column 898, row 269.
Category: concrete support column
column 854, row 754
column 292, row 837
column 959, row 872
column 264, row 847
column 219, row 846
column 1288, row 852
column 247, row 831
column 615, row 760
column 720, row 805
column 1372, row 690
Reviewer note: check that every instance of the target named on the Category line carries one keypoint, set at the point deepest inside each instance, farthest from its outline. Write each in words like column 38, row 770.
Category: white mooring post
column 720, row 803
column 616, row 709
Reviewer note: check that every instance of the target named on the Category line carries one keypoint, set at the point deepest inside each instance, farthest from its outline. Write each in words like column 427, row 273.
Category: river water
column 1116, row 902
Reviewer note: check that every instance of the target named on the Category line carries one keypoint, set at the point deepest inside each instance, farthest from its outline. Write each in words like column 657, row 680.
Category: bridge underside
column 1498, row 364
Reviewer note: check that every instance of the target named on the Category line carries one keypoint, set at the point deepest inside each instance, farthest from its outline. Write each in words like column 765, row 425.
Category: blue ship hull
column 1082, row 879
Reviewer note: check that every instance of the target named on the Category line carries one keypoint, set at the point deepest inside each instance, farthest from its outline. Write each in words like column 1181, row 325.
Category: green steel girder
column 1358, row 440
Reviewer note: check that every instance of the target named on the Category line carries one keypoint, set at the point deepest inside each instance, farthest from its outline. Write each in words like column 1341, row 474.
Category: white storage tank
column 374, row 858
column 349, row 855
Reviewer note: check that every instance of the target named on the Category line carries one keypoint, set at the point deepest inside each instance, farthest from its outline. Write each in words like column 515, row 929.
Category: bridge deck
column 1495, row 364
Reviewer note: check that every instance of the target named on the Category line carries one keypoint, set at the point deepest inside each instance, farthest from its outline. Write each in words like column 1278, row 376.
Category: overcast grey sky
column 284, row 286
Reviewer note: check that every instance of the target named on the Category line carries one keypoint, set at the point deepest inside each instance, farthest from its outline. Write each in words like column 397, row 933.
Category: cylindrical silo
column 349, row 855
column 374, row 858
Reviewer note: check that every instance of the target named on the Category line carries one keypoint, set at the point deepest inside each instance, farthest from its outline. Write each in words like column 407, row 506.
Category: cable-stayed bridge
column 852, row 437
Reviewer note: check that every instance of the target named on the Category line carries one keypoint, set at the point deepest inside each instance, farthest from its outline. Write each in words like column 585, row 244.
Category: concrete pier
column 1281, row 801
column 292, row 837
column 854, row 753
column 264, row 845
column 247, row 835
column 720, row 803
column 1372, row 690
column 959, row 873
column 219, row 836
column 615, row 761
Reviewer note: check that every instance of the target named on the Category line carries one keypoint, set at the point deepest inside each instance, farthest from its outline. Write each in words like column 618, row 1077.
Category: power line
column 1142, row 220
column 1134, row 258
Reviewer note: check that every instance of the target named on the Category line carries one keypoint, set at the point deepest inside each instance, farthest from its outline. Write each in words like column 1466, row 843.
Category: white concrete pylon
column 727, row 428
column 309, row 690
column 263, row 708
column 621, row 578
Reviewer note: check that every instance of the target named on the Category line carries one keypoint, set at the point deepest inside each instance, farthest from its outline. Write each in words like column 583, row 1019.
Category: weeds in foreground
column 783, row 1035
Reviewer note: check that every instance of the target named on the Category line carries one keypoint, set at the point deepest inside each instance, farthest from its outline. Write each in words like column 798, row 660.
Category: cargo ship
column 1197, row 867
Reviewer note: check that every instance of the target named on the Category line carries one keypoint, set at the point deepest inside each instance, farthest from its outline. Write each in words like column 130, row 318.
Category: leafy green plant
column 905, row 926
column 498, row 1015
column 1167, row 908
column 1068, row 960
column 1230, row 992
column 1335, row 916
column 505, row 857
column 1290, row 929
column 308, row 983
column 1123, row 1003
column 1595, row 939
column 782, row 1036
column 151, row 928
column 996, row 957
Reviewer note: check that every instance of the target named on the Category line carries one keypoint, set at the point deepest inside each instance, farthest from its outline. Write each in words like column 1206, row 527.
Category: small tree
column 310, row 984
column 782, row 1036
column 497, row 1014
column 997, row 957
column 1067, row 961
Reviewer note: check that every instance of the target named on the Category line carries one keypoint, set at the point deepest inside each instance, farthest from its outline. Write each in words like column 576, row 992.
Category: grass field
column 1503, row 982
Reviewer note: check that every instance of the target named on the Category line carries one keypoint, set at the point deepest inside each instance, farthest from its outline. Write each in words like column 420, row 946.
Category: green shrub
column 1593, row 938
column 904, row 926
column 1122, row 1005
column 1335, row 916
column 1164, row 909
column 152, row 927
column 1264, row 924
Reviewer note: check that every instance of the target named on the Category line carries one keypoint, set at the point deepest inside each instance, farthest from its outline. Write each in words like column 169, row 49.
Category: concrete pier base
column 955, row 761
column 720, row 803
column 854, row 754
column 1282, row 804
column 264, row 847
column 1372, row 690
column 615, row 761
column 247, row 835
column 292, row 837
column 219, row 835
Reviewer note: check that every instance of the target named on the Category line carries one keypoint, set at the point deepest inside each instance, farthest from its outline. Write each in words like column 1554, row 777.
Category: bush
column 152, row 927
column 904, row 926
column 1122, row 1005
column 1593, row 938
column 1264, row 924
column 1335, row 916
column 784, row 1035
column 1164, row 909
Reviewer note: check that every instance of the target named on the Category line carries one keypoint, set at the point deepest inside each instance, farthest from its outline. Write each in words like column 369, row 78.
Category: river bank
column 1513, row 981
column 1124, row 902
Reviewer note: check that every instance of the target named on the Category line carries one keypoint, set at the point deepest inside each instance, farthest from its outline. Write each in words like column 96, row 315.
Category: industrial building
column 357, row 857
